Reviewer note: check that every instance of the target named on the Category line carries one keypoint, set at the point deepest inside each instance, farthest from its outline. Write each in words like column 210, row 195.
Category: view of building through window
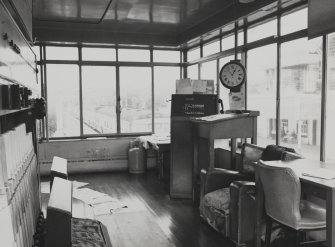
column 192, row 71
column 300, row 104
column 99, row 99
column 330, row 106
column 136, row 99
column 165, row 85
column 63, row 100
column 262, row 89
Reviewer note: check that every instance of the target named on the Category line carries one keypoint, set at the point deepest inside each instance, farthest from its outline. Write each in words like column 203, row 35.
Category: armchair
column 227, row 199
column 215, row 191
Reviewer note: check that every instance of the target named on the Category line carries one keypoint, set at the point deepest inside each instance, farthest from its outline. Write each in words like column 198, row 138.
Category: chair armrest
column 241, row 208
column 219, row 178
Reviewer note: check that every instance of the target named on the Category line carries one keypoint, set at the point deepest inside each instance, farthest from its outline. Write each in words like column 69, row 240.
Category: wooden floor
column 152, row 219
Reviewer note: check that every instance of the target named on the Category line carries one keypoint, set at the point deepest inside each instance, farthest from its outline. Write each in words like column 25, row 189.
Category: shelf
column 8, row 112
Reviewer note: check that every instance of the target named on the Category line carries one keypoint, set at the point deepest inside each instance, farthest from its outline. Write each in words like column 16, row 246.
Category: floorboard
column 152, row 219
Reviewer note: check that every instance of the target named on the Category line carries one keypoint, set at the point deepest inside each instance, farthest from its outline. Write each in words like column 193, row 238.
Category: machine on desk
column 183, row 108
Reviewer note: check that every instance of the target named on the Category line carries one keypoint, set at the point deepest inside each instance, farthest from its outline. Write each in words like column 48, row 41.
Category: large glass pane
column 262, row 89
column 330, row 114
column 193, row 54
column 63, row 100
column 134, row 55
column 192, row 72
column 228, row 42
column 262, row 31
column 136, row 99
column 61, row 53
column 294, row 22
column 211, row 48
column 209, row 71
column 240, row 38
column 165, row 86
column 300, row 114
column 166, row 56
column 98, row 54
column 99, row 97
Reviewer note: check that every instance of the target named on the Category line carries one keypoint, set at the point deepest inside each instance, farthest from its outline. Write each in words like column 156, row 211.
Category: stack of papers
column 323, row 173
column 100, row 202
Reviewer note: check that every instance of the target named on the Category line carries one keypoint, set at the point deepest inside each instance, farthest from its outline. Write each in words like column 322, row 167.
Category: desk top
column 226, row 116
column 301, row 166
column 154, row 140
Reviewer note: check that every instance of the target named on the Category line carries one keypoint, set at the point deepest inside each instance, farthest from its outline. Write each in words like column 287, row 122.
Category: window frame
column 44, row 65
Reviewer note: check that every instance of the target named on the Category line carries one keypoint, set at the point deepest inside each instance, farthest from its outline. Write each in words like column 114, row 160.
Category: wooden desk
column 220, row 126
column 161, row 144
column 322, row 188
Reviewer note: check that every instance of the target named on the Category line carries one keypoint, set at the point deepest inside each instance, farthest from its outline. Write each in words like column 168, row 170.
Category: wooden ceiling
column 145, row 22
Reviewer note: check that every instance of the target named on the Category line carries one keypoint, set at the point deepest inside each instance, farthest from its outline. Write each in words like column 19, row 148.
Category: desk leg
column 159, row 161
column 259, row 211
column 233, row 144
column 330, row 218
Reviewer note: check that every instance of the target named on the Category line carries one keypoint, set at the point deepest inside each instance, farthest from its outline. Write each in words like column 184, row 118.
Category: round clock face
column 232, row 74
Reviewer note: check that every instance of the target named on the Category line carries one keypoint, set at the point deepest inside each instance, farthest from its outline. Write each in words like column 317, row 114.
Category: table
column 322, row 188
column 220, row 126
column 161, row 144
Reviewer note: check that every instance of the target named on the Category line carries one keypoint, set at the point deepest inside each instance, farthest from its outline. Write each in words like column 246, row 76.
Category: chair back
column 250, row 153
column 282, row 192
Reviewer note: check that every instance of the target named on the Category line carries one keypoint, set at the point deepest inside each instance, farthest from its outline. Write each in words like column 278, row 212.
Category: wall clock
column 232, row 74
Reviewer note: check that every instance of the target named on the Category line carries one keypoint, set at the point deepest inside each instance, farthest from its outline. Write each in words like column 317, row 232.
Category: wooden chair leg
column 268, row 232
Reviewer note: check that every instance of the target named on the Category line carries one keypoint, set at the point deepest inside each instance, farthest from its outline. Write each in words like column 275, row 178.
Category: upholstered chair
column 283, row 204
column 227, row 200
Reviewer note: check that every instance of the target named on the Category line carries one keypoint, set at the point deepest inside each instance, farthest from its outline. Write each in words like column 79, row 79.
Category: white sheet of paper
column 184, row 86
column 86, row 194
column 77, row 184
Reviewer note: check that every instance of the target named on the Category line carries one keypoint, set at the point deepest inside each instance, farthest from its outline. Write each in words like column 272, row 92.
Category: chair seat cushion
column 312, row 215
column 214, row 208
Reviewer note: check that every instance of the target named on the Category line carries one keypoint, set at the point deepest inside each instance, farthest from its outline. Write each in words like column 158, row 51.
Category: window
column 209, row 71
column 63, row 100
column 165, row 86
column 262, row 31
column 98, row 54
column 294, row 22
column 228, row 42
column 330, row 106
column 134, row 55
column 261, row 90
column 99, row 99
column 61, row 53
column 211, row 48
column 240, row 38
column 193, row 54
column 192, row 72
column 301, row 94
column 166, row 56
column 136, row 99
column 304, row 128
